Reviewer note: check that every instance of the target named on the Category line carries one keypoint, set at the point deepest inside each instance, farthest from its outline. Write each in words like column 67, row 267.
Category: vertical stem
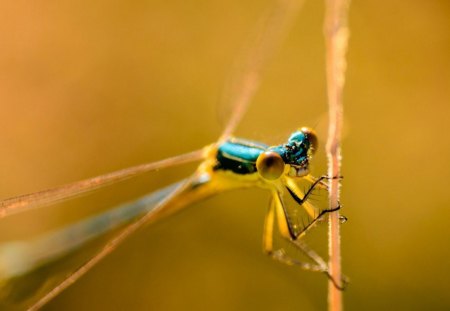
column 336, row 38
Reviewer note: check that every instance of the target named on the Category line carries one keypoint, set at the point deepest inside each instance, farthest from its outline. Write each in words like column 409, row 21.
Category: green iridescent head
column 291, row 158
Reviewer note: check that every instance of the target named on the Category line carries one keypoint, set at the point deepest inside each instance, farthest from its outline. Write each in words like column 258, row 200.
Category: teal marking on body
column 239, row 156
column 298, row 137
column 238, row 150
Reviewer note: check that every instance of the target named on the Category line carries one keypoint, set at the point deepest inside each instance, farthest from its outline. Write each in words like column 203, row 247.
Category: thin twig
column 336, row 38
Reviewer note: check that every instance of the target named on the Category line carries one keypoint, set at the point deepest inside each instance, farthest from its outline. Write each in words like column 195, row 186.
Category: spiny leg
column 280, row 255
column 286, row 232
column 294, row 191
column 292, row 188
column 314, row 256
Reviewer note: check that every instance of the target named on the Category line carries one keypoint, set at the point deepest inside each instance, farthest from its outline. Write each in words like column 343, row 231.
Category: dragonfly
column 230, row 163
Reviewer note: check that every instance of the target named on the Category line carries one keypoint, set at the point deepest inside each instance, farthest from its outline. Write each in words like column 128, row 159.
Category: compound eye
column 312, row 138
column 270, row 165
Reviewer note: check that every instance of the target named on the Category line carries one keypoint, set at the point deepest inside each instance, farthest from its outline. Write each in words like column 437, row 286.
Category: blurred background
column 91, row 87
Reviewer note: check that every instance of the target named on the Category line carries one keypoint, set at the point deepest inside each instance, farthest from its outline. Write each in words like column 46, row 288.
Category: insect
column 230, row 163
column 233, row 163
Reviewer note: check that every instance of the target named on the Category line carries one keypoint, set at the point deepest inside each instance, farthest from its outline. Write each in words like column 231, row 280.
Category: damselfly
column 230, row 163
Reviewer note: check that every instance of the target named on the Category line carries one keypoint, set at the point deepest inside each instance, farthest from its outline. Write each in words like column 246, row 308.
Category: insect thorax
column 239, row 156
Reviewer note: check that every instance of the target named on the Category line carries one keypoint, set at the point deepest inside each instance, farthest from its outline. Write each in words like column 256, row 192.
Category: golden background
column 91, row 87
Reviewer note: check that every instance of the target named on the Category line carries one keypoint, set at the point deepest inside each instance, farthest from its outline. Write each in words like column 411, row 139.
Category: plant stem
column 336, row 38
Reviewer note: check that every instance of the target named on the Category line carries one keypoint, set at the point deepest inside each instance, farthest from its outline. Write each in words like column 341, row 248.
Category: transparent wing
column 22, row 261
column 304, row 215
column 21, row 257
column 160, row 204
column 243, row 84
column 27, row 257
column 50, row 196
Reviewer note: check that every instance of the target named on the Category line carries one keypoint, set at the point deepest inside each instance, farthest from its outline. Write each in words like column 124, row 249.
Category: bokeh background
column 88, row 87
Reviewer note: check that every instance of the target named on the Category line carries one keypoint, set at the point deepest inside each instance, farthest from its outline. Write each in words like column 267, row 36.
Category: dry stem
column 336, row 37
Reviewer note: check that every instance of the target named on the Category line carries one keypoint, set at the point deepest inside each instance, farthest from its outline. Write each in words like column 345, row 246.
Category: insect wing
column 50, row 196
column 31, row 269
column 246, row 77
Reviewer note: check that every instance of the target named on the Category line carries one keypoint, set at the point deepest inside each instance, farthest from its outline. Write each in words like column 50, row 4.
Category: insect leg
column 295, row 192
column 280, row 255
column 287, row 232
column 302, row 246
column 292, row 188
